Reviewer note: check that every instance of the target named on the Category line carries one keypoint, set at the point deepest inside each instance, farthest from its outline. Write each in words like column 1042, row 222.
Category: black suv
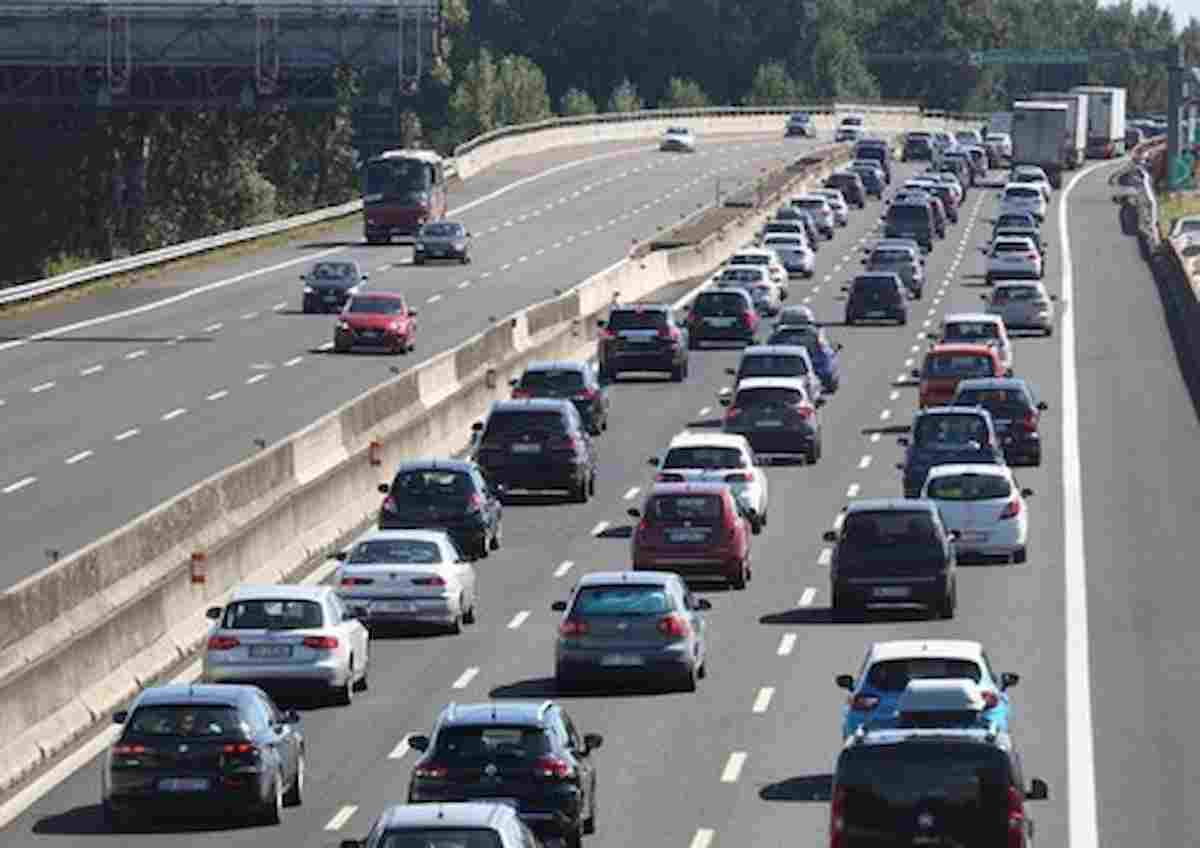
column 575, row 381
column 723, row 315
column 642, row 337
column 536, row 444
column 851, row 186
column 525, row 751
column 876, row 150
column 876, row 296
column 444, row 494
column 892, row 552
column 942, row 435
column 940, row 786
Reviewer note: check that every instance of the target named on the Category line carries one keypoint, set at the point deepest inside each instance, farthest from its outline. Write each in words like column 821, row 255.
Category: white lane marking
column 703, row 838
column 852, row 490
column 128, row 434
column 90, row 370
column 806, row 599
column 908, row 362
column 518, row 619
column 42, row 387
column 599, row 528
column 402, row 748
column 212, row 328
column 926, row 322
column 556, row 245
column 383, row 267
column 249, row 316
column 865, row 462
column 522, row 259
column 255, row 379
column 733, row 767
column 279, row 307
column 786, row 643
column 19, row 485
column 174, row 413
column 825, row 557
column 433, row 298
column 1082, row 825
column 217, row 395
column 136, row 354
column 932, row 311
column 341, row 817
column 562, row 569
column 632, row 493
column 915, row 348
column 506, row 267
column 839, row 520
column 79, row 457
column 464, row 284
column 763, row 699
column 895, row 395
column 325, row 346
column 885, row 415
column 295, row 360
column 539, row 251
column 466, row 677
column 874, row 437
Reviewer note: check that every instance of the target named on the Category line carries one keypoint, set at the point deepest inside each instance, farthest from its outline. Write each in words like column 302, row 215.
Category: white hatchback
column 765, row 256
column 1023, row 197
column 985, row 505
column 1013, row 257
column 716, row 457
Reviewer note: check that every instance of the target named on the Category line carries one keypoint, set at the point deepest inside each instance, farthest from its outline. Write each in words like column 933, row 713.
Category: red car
column 379, row 321
column 698, row 530
column 946, row 365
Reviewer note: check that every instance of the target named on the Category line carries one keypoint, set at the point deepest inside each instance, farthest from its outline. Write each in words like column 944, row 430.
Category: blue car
column 945, row 435
column 890, row 666
column 821, row 351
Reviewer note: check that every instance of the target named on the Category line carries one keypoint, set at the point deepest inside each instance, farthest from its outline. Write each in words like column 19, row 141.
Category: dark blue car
column 824, row 355
column 947, row 434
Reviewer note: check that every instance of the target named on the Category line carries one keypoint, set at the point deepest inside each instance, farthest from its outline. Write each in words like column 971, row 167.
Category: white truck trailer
column 1038, row 131
column 1106, row 120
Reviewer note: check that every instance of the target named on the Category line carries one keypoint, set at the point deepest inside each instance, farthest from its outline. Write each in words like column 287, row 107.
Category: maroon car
column 378, row 321
column 698, row 530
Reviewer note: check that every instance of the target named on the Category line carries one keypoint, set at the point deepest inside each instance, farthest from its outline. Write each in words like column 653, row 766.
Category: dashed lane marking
column 518, row 619
column 865, row 462
column 127, row 434
column 136, row 354
column 806, row 599
column 341, row 817
column 852, row 490
column 79, row 457
column 599, row 528
column 563, row 568
column 43, row 387
column 733, row 767
column 465, row 678
column 19, row 485
column 255, row 379
column 825, row 556
column 217, row 395
column 90, row 370
column 762, row 701
column 632, row 493
column 174, row 413
column 786, row 643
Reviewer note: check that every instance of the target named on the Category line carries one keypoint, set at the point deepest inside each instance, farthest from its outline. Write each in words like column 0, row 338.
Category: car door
column 491, row 502
column 267, row 730
column 691, row 604
column 349, row 628
column 565, row 730
column 464, row 572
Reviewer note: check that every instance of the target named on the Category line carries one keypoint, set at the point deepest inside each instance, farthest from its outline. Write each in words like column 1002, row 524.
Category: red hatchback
column 698, row 530
column 379, row 320
column 946, row 365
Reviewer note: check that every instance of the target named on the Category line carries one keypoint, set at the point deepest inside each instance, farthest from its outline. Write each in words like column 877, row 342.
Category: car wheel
column 294, row 797
column 903, row 321
column 364, row 682
column 482, row 549
column 494, row 544
column 1020, row 555
column 465, row 260
column 604, row 423
column 813, row 453
column 456, row 624
column 579, row 491
column 949, row 603
column 118, row 820
column 343, row 696
column 271, row 812
column 592, row 484
column 574, row 839
column 688, row 682
column 418, row 261
column 678, row 372
column 1048, row 332
column 738, row 582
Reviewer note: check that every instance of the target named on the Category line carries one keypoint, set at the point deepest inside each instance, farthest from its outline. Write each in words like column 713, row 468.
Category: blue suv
column 821, row 351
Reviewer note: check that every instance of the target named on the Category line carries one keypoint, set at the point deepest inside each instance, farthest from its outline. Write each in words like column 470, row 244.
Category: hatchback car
column 379, row 320
column 330, row 283
column 1021, row 219
column 722, row 315
column 1014, row 258
column 822, row 352
column 624, row 624
column 1023, row 197
column 1016, row 414
column 978, row 327
column 801, row 124
column 776, row 415
column 704, row 455
column 442, row 240
column 767, row 294
column 892, row 553
column 678, row 140
column 791, row 216
column 889, row 667
column 794, row 253
column 525, row 751
column 697, row 530
column 537, row 445
column 202, row 749
column 837, row 201
column 999, row 148
column 796, row 315
column 907, row 262
column 642, row 337
column 850, row 185
column 946, row 364
column 444, row 494
column 946, row 435
column 1029, row 231
column 470, row 824
column 872, row 176
column 765, row 257
column 1032, row 175
column 776, row 361
column 407, row 577
column 821, row 211
column 985, row 505
column 876, row 296
column 1024, row 305
column 576, row 381
column 287, row 638
column 911, row 219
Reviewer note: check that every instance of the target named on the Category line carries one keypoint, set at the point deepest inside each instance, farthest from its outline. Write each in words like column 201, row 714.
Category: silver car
column 287, row 637
column 442, row 240
column 841, row 210
column 1013, row 258
column 625, row 623
column 1023, row 304
column 795, row 254
column 905, row 261
column 821, row 211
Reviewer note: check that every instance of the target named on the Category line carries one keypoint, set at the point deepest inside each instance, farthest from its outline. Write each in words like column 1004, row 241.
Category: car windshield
column 705, row 509
column 375, row 306
column 805, row 337
column 442, row 230
column 441, row 837
column 1006, row 294
column 750, row 259
column 796, row 315
column 678, row 131
column 517, row 423
column 958, row 365
column 491, row 743
column 909, row 215
column 810, row 204
column 621, row 601
column 970, row 331
column 1012, row 247
column 637, row 319
column 783, row 227
column 1021, row 193
column 768, row 397
column 884, row 285
column 413, row 551
column 772, row 365
column 720, row 303
column 969, row 487
column 704, row 456
column 1016, row 219
column 950, row 431
column 334, row 272
column 564, row 380
column 272, row 614
column 432, row 486
column 895, row 675
column 874, row 529
column 204, row 720
column 793, row 243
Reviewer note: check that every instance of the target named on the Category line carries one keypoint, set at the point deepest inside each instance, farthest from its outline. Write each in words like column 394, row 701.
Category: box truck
column 1106, row 120
column 1038, row 131
column 1075, row 142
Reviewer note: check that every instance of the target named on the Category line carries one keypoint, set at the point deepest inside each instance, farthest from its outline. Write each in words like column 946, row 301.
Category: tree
column 773, row 86
column 683, row 94
column 624, row 98
column 576, row 101
column 473, row 104
column 521, row 95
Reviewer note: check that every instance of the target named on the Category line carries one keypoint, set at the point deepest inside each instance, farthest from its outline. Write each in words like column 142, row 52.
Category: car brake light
column 674, row 626
column 131, row 750
column 748, row 318
column 837, row 821
column 990, row 698
column 519, row 394
column 564, row 443
column 475, row 502
column 429, row 581
column 573, row 627
column 738, row 477
column 223, row 643
column 357, row 581
column 389, row 504
column 804, row 409
column 431, row 770
column 555, row 768
column 1012, row 509
column 239, row 748
column 732, row 412
column 606, row 333
column 321, row 643
column 1030, row 422
column 864, row 702
column 671, row 333
column 586, row 394
column 1016, row 818
column 668, row 477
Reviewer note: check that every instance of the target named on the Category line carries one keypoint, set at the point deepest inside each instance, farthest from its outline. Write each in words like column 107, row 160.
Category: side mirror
column 838, row 347
column 1043, row 406
column 291, row 717
column 953, row 535
column 845, row 288
column 732, row 372
column 1054, row 297
column 783, row 295
column 384, row 488
column 1027, row 493
column 1008, row 679
column 213, row 613
column 477, row 427
column 559, row 606
column 304, row 278
column 514, row 382
column 1038, row 790
column 724, row 400
column 633, row 512
column 418, row 742
column 592, row 741
column 983, row 297
column 600, row 322
column 1008, row 372
column 120, row 716
column 340, row 556
column 820, row 402
column 652, row 461
column 412, row 310
column 703, row 604
column 829, row 536
column 902, row 441
column 845, row 681
column 365, row 275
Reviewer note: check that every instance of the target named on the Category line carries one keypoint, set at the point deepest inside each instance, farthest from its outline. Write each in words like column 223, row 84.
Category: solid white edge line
column 733, row 767
column 762, row 701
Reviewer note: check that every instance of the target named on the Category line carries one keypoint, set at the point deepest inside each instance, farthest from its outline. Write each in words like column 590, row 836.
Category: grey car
column 442, row 240
column 905, row 261
column 484, row 822
column 329, row 285
column 1022, row 305
column 631, row 624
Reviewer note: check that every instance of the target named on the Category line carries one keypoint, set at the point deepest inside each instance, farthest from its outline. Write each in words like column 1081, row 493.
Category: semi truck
column 1106, row 120
column 1038, row 131
column 1075, row 142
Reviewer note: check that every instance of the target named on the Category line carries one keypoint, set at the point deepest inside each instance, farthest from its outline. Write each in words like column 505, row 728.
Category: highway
column 111, row 405
column 1109, row 527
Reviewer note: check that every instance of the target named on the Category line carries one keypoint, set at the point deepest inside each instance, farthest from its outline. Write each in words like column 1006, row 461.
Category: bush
column 683, row 94
column 624, row 98
column 576, row 101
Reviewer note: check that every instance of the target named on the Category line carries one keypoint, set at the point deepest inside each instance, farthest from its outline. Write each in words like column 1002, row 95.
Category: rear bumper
column 689, row 566
column 625, row 360
column 778, row 441
column 583, row 663
column 537, row 477
column 277, row 677
column 425, row 611
column 227, row 793
column 705, row 332
column 344, row 340
column 863, row 593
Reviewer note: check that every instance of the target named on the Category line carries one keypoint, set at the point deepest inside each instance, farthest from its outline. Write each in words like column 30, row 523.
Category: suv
column 475, row 824
column 574, row 380
column 876, row 296
column 876, row 150
column 444, row 494
column 801, row 124
column 895, row 553
column 525, row 751
column 911, row 220
column 776, row 415
column 772, row 360
column 850, row 185
column 722, row 315
column 642, row 337
column 1015, row 412
column 931, row 786
column 943, row 435
column 537, row 444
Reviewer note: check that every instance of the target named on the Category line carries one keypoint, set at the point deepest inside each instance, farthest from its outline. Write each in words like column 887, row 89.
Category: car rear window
column 701, row 508
column 891, row 256
column 704, row 456
column 805, row 337
column 888, row 527
column 750, row 259
column 958, row 365
column 895, row 675
column 272, row 614
column 552, row 381
column 442, row 230
column 623, row 600
column 772, row 365
column 441, row 837
column 785, row 243
column 784, row 226
column 1007, row 293
column 999, row 402
column 432, row 485
column 950, row 430
column 1011, row 247
column 971, row 330
column 720, row 303
column 969, row 487
column 1021, row 192
column 810, row 204
column 741, row 275
column 490, row 743
column 516, row 423
column 875, row 284
column 395, row 551
column 636, row 319
column 768, row 396
column 375, row 306
column 202, row 720
column 909, row 215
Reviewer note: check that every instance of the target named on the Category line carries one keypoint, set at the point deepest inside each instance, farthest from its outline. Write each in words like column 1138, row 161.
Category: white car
column 847, row 132
column 795, row 254
column 712, row 456
column 971, row 327
column 408, row 577
column 796, row 316
column 678, row 140
column 985, row 505
column 968, row 137
column 837, row 202
column 1013, row 257
column 1023, row 197
column 776, row 360
column 756, row 281
column 1022, row 305
column 298, row 638
column 782, row 227
column 821, row 211
column 765, row 256
column 1032, row 175
column 998, row 146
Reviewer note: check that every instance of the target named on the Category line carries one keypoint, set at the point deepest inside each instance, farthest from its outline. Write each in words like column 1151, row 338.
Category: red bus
column 402, row 190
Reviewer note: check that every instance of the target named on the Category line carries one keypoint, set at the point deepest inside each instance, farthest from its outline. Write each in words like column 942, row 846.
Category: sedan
column 442, row 240
column 285, row 637
column 617, row 623
column 377, row 321
column 1014, row 258
column 678, row 140
column 985, row 505
column 1024, row 305
column 329, row 284
column 407, row 577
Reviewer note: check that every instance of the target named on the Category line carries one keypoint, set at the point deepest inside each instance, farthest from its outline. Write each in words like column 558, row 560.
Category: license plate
column 688, row 535
column 331, row 298
column 183, row 784
column 772, row 422
column 877, row 313
column 891, row 591
column 639, row 340
column 270, row 651
column 1003, row 425
column 394, row 606
column 622, row 660
column 973, row 536
column 719, row 322
column 527, row 448
column 371, row 334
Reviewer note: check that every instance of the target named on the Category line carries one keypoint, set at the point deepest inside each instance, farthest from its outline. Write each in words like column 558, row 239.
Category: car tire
column 565, row 684
column 574, row 838
column 482, row 548
column 456, row 624
column 418, row 261
column 813, row 453
column 687, row 682
column 838, row 609
column 678, row 372
column 903, row 321
column 579, row 492
column 271, row 812
column 494, row 544
column 469, row 616
column 118, row 821
column 294, row 797
column 465, row 260
column 589, row 824
column 343, row 695
column 592, row 485
column 1048, row 332
column 949, row 603
column 1020, row 555
column 740, row 580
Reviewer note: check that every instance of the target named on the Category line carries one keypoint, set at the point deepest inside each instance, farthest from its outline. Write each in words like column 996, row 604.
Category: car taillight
column 1029, row 422
column 239, row 748
column 837, row 819
column 674, row 626
column 738, row 477
column 671, row 333
column 389, row 504
column 1016, row 818
column 554, row 768
column 520, row 394
column 430, row 770
column 321, row 643
column 429, row 581
column 586, row 394
column 695, row 317
column 564, row 443
column 357, row 581
column 222, row 643
column 804, row 409
column 475, row 502
column 573, row 627
column 1012, row 509
column 990, row 698
column 668, row 477
column 864, row 702
column 732, row 412
column 131, row 750
column 606, row 333
column 748, row 318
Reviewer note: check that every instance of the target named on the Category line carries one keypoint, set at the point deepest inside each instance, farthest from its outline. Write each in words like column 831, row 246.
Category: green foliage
column 521, row 95
column 624, row 98
column 773, row 86
column 576, row 101
column 683, row 94
column 473, row 104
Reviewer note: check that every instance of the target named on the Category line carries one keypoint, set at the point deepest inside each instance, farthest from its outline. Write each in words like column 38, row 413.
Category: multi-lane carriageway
column 1098, row 622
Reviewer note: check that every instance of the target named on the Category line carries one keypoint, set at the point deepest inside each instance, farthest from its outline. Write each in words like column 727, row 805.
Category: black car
column 918, row 149
column 444, row 494
column 1015, row 412
column 851, row 186
column 642, row 337
column 442, row 240
column 722, row 315
column 872, row 177
column 892, row 552
column 947, row 434
column 329, row 284
column 876, row 296
column 528, row 752
column 536, row 445
column 912, row 220
column 575, row 381
column 876, row 150
column 776, row 415
column 931, row 786
column 203, row 749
